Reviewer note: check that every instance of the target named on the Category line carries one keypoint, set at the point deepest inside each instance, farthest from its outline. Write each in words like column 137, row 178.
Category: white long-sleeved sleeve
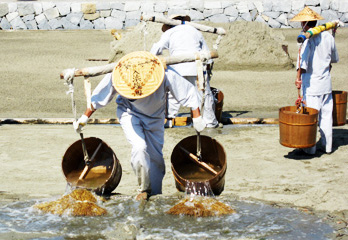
column 304, row 53
column 103, row 93
column 163, row 43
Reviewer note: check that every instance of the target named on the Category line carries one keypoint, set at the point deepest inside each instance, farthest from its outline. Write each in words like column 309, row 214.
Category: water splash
column 254, row 220
column 202, row 188
column 200, row 201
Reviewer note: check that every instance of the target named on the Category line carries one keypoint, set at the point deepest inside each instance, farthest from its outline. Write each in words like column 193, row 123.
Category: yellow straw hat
column 306, row 15
column 138, row 75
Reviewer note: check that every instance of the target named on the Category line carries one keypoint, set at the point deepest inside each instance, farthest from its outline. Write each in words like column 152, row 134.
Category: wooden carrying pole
column 174, row 22
column 190, row 57
column 195, row 159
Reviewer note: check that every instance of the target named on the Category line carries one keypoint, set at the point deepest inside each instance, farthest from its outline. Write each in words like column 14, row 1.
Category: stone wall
column 122, row 14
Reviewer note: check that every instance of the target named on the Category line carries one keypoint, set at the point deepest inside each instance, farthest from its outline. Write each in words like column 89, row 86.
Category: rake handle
column 195, row 159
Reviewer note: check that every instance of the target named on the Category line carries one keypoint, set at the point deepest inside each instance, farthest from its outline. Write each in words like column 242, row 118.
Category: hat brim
column 138, row 75
column 306, row 15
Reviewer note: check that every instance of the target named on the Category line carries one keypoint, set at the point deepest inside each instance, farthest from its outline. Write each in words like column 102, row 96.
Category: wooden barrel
column 298, row 130
column 219, row 102
column 104, row 175
column 187, row 171
column 339, row 112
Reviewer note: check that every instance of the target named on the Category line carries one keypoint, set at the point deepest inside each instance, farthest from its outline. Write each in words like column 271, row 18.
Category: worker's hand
column 298, row 102
column 80, row 123
column 199, row 123
column 69, row 74
column 298, row 83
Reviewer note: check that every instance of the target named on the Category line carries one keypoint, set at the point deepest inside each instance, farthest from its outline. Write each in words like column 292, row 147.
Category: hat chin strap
column 304, row 27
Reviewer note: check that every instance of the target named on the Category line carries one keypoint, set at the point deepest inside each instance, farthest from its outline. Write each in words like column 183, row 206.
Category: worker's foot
column 218, row 125
column 169, row 123
column 144, row 196
column 323, row 151
column 302, row 152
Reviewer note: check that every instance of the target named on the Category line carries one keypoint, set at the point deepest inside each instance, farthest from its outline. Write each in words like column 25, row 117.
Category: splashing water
column 200, row 202
column 131, row 220
column 202, row 188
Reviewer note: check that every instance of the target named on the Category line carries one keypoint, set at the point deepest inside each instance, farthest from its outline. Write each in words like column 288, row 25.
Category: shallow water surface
column 128, row 219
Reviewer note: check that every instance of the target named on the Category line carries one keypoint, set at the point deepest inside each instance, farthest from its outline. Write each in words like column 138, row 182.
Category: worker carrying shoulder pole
column 141, row 82
column 181, row 39
column 314, row 63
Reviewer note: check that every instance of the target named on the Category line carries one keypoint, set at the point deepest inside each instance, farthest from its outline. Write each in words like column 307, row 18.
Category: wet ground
column 128, row 219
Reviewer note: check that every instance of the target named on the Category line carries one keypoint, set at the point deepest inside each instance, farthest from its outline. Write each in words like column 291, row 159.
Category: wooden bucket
column 186, row 171
column 105, row 174
column 219, row 102
column 298, row 130
column 339, row 112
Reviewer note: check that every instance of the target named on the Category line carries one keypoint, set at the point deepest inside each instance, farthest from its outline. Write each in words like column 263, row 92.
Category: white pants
column 208, row 112
column 146, row 135
column 324, row 104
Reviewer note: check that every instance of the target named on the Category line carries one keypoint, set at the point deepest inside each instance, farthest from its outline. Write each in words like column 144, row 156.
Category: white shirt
column 152, row 106
column 317, row 53
column 179, row 40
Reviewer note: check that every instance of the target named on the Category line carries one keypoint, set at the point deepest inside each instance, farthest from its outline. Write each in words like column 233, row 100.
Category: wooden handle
column 84, row 148
column 90, row 163
column 195, row 159
column 88, row 92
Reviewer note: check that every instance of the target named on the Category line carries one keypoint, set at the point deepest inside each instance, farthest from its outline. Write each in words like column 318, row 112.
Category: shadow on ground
column 340, row 138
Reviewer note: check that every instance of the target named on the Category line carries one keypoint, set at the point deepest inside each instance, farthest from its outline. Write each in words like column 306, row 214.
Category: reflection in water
column 128, row 219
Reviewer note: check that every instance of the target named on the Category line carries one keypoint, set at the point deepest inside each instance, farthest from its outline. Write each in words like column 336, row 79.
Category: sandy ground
column 258, row 167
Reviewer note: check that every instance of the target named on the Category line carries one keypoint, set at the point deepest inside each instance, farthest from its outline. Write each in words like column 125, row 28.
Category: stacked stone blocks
column 124, row 14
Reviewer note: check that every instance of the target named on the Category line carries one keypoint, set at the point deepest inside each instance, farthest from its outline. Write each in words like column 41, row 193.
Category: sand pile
column 247, row 45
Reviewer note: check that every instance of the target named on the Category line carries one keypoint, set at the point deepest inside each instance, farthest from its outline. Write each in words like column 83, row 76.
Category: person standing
column 314, row 62
column 184, row 39
column 141, row 82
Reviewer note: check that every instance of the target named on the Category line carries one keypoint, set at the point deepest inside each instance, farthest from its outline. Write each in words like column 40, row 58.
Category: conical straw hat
column 138, row 75
column 305, row 15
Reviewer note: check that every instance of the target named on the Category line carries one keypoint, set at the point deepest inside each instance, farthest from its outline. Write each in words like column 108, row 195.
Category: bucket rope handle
column 299, row 100
column 69, row 75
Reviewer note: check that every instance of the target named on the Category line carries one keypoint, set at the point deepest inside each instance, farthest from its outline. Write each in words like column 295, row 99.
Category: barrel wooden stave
column 339, row 112
column 297, row 130
column 218, row 94
column 212, row 153
column 73, row 161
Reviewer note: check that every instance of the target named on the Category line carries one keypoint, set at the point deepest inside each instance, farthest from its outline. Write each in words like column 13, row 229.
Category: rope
column 69, row 75
column 145, row 32
column 299, row 99
column 217, row 42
